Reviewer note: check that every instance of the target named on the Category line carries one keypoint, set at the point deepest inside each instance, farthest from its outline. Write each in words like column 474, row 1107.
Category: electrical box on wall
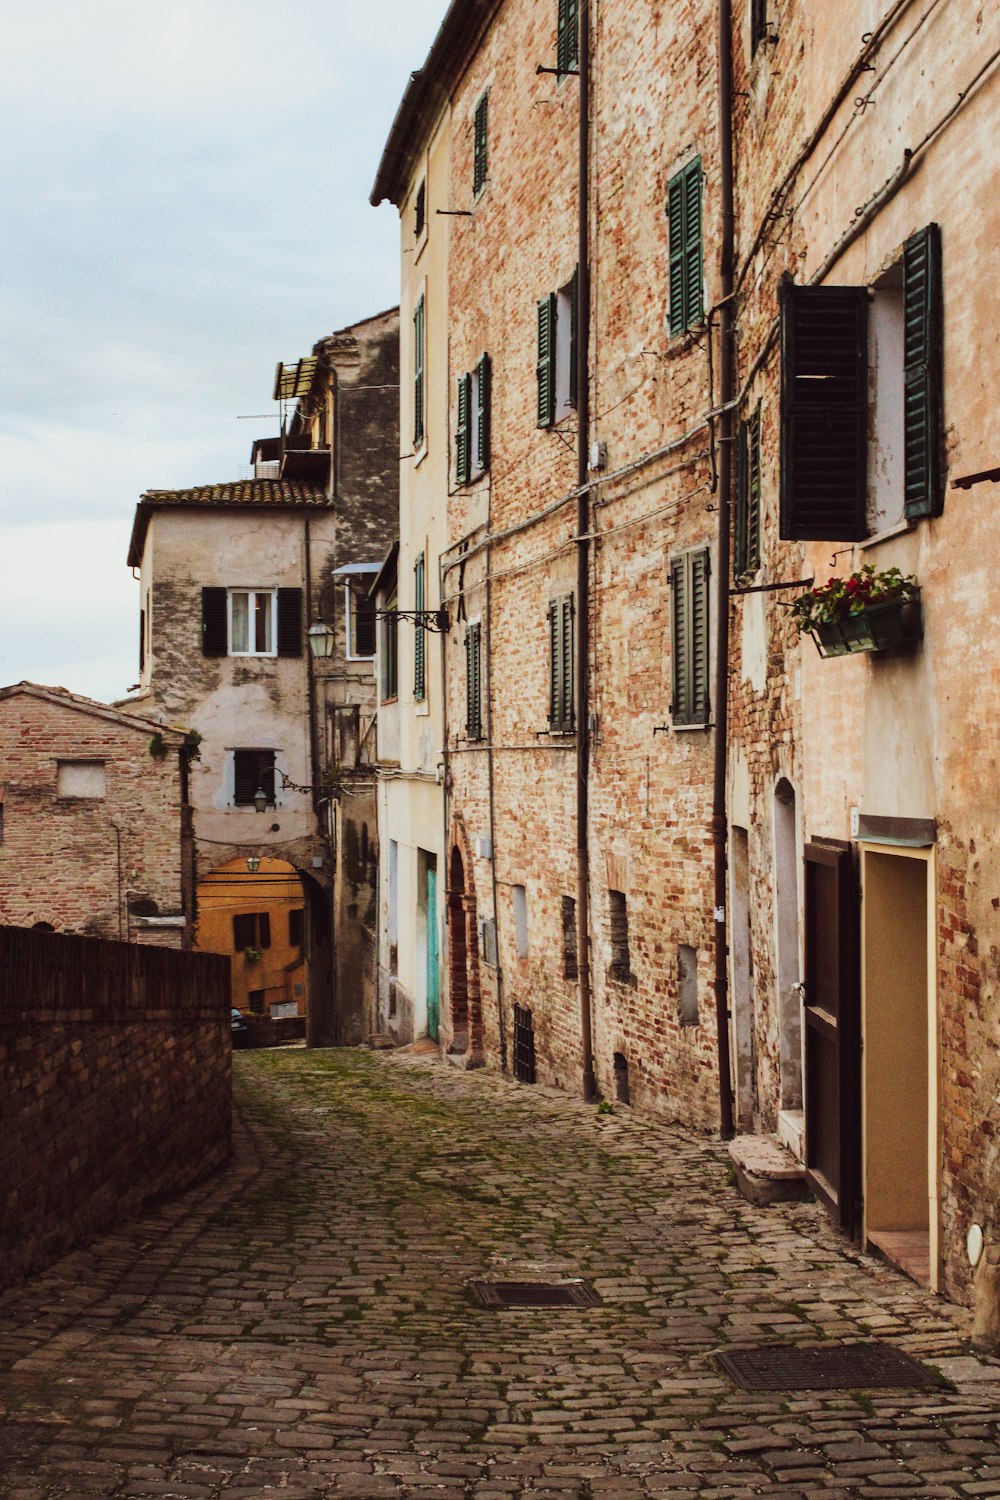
column 484, row 848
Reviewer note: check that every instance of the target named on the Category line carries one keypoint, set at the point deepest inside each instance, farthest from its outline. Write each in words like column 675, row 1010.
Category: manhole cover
column 534, row 1294
column 837, row 1367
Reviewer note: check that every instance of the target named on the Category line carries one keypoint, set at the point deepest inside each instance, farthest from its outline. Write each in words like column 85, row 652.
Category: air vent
column 832, row 1367
column 509, row 1294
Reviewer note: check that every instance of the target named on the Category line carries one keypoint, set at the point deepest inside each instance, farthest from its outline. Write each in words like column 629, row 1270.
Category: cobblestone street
column 301, row 1325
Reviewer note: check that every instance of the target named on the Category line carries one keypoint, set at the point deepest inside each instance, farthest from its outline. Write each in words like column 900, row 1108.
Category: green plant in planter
column 868, row 611
column 158, row 746
column 253, row 955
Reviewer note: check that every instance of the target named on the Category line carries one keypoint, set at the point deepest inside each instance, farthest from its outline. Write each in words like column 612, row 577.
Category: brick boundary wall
column 115, row 1086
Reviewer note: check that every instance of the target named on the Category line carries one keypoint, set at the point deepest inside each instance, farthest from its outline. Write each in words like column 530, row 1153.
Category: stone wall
column 115, row 1083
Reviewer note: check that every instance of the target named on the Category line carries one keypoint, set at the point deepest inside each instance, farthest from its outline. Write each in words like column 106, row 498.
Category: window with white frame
column 251, row 622
column 359, row 612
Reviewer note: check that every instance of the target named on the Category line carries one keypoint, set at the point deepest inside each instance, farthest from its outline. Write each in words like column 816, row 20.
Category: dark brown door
column 832, row 1023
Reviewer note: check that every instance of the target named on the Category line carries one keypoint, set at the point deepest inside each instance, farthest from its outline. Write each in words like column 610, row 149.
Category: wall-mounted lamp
column 321, row 640
column 253, row 863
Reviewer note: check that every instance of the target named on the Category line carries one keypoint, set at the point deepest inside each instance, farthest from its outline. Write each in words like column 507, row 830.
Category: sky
column 185, row 203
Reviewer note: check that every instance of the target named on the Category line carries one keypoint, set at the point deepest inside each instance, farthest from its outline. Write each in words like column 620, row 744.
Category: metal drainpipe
column 728, row 391
column 501, row 1023
column 315, row 1014
column 583, row 569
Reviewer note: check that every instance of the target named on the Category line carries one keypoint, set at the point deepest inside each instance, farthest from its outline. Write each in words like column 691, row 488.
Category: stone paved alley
column 300, row 1326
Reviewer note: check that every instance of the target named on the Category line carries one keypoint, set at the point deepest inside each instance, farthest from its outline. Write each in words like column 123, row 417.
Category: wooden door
column 832, row 1028
column 433, row 956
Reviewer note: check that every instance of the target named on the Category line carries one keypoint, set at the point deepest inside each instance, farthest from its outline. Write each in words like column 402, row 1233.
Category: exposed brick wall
column 84, row 864
column 115, row 1086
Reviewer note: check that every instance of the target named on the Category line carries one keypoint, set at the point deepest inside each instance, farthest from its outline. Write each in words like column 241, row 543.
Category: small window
column 746, row 541
column 488, row 941
column 255, row 1002
column 474, row 681
column 390, row 652
column 479, row 151
column 555, row 367
column 295, row 926
column 687, row 298
column 524, row 1045
column 419, row 631
column 689, row 573
column 687, row 985
column 561, row 675
column 81, row 778
column 568, row 37
column 419, row 366
column 472, row 428
column 251, row 929
column 253, row 770
column 420, row 210
column 251, row 622
column 521, row 920
column 359, row 613
column 571, row 968
column 620, row 967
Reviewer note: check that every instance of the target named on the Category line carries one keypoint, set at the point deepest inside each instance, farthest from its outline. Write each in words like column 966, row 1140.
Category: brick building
column 236, row 579
column 94, row 822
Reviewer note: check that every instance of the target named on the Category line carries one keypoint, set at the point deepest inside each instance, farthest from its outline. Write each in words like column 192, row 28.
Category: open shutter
column 263, row 929
column 689, row 578
column 142, row 640
column 568, row 36
column 420, row 634
column 214, row 625
column 699, row 636
column 694, row 300
column 824, row 415
column 574, row 343
column 566, row 662
column 289, row 622
column 754, row 492
column 675, row 223
column 923, row 416
column 479, row 160
column 463, row 456
column 546, row 366
column 418, row 374
column 680, row 648
column 484, row 378
column 740, row 525
column 473, row 682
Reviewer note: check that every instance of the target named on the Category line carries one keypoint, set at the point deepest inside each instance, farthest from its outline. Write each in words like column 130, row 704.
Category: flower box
column 879, row 627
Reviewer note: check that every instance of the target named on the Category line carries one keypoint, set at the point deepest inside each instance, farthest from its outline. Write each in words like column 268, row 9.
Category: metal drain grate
column 501, row 1294
column 834, row 1367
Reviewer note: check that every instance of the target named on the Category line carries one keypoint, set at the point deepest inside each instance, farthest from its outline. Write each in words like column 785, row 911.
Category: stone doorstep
column 766, row 1171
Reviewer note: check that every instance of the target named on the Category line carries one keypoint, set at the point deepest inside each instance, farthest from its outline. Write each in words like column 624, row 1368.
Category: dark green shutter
column 568, row 36
column 923, row 416
column 566, row 662
column 479, row 155
column 289, row 622
column 561, row 673
column 418, row 374
column 751, row 536
column 484, row 381
column 742, row 503
column 420, row 634
column 142, row 640
column 689, row 579
column 473, row 682
column 824, row 413
column 463, row 455
column 574, row 324
column 546, row 366
column 684, row 192
column 214, row 622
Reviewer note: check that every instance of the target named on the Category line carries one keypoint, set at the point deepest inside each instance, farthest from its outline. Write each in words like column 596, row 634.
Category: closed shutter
column 289, row 622
column 484, row 380
column 263, row 929
column 418, row 374
column 252, row 769
column 568, row 36
column 420, row 634
column 923, row 416
column 142, row 640
column 687, row 304
column 689, row 578
column 214, row 625
column 546, row 366
column 824, row 413
column 561, row 675
column 479, row 160
column 463, row 448
column 473, row 682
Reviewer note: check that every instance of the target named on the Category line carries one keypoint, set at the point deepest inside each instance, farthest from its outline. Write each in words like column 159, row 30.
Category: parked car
column 240, row 1028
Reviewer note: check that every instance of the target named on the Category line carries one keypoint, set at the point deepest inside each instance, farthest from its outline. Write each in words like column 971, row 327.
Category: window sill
column 420, row 454
column 692, row 728
column 388, row 702
column 421, row 708
column 899, row 529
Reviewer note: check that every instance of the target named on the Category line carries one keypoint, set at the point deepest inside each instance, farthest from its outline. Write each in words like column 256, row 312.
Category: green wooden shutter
column 479, row 155
column 546, row 367
column 566, row 663
column 574, row 325
column 824, row 413
column 142, row 640
column 463, row 456
column 754, row 493
column 689, row 580
column 420, row 634
column 473, row 682
column 214, row 622
column 289, row 622
column 742, row 503
column 418, row 374
column 568, row 36
column 684, row 192
column 923, row 417
column 484, row 381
